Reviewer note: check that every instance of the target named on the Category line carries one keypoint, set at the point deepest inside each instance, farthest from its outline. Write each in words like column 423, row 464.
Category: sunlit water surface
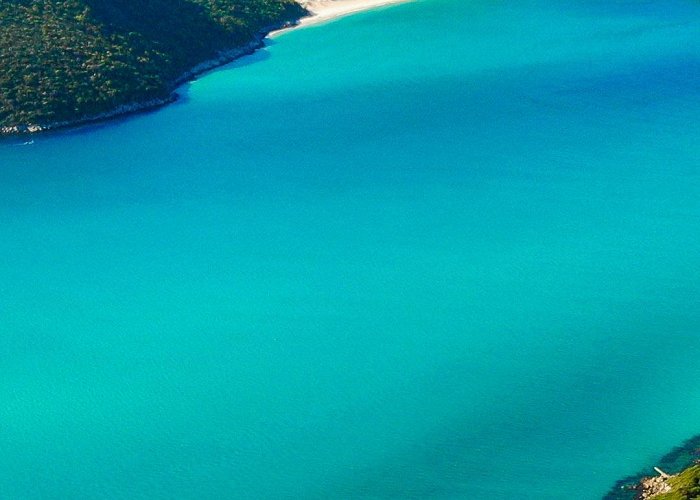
column 448, row 249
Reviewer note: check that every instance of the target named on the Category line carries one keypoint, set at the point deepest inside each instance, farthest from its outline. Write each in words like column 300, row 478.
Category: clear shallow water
column 445, row 249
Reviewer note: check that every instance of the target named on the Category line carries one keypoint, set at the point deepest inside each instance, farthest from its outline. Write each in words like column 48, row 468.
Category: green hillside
column 685, row 486
column 63, row 60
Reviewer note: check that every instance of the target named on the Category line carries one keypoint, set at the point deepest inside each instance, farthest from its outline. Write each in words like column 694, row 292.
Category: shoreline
column 320, row 11
column 642, row 485
column 222, row 58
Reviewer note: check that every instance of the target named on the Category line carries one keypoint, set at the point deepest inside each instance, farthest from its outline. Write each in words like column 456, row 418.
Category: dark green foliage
column 65, row 59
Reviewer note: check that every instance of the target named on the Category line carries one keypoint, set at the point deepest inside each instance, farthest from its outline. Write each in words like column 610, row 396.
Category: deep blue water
column 446, row 249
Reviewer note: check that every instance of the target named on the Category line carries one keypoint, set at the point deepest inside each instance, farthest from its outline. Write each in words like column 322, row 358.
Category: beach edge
column 222, row 58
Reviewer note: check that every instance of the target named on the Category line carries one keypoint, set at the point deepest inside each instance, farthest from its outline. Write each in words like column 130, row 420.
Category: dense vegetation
column 686, row 485
column 66, row 59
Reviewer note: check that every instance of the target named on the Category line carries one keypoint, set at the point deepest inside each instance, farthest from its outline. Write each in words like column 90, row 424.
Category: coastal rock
column 124, row 109
column 651, row 487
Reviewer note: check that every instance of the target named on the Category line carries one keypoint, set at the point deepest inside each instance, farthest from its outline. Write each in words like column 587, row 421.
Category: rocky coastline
column 645, row 486
column 220, row 59
column 651, row 487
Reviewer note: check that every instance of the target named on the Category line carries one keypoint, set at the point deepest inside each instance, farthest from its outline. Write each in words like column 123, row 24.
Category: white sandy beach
column 326, row 10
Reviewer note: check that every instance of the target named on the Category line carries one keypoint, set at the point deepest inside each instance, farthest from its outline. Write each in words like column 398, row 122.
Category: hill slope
column 70, row 60
column 684, row 486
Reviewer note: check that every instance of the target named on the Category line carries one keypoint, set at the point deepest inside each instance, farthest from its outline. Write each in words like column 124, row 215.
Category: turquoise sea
column 446, row 249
